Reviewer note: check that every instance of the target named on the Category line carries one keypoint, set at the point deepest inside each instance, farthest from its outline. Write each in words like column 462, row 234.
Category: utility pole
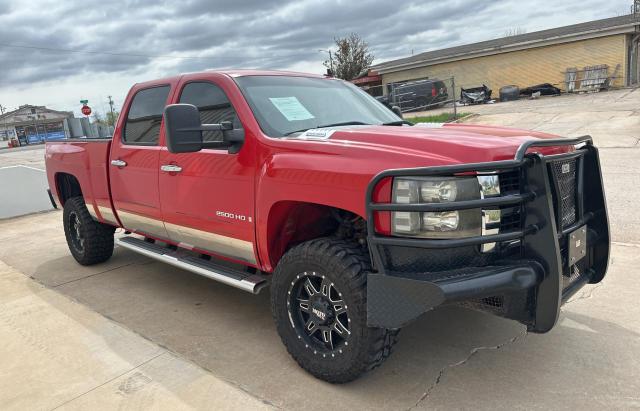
column 35, row 123
column 113, row 120
column 5, row 131
column 6, row 127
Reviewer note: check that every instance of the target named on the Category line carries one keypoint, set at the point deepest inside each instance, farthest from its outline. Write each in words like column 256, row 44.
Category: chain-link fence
column 418, row 95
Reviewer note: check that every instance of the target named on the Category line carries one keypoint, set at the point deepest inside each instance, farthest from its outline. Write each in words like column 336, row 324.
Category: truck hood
column 432, row 144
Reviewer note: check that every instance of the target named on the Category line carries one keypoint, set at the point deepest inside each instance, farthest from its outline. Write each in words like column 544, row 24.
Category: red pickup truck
column 357, row 219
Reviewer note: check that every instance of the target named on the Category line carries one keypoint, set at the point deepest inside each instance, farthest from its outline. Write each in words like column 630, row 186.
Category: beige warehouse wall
column 527, row 67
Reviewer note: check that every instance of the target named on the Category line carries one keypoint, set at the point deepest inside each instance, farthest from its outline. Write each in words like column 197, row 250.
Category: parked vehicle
column 357, row 221
column 417, row 95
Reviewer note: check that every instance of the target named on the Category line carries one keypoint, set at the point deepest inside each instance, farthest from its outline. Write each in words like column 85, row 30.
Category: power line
column 109, row 53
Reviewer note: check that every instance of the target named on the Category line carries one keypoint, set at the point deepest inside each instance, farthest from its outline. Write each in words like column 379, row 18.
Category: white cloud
column 241, row 34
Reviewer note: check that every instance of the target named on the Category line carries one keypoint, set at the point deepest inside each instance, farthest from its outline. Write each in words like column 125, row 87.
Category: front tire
column 89, row 241
column 318, row 301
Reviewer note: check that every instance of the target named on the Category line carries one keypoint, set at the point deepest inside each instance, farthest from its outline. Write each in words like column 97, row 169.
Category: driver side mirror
column 397, row 110
column 183, row 131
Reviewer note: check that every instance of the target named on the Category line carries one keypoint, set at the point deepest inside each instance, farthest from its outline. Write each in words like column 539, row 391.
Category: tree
column 351, row 58
column 515, row 31
column 112, row 118
column 109, row 119
column 97, row 117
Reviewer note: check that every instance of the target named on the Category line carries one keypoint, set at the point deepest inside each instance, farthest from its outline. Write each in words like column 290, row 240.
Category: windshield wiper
column 344, row 123
column 302, row 130
column 397, row 123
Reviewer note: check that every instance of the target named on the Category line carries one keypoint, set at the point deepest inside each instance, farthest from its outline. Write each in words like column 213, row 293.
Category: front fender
column 307, row 178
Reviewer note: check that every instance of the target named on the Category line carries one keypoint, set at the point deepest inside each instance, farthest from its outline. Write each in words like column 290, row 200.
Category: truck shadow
column 231, row 334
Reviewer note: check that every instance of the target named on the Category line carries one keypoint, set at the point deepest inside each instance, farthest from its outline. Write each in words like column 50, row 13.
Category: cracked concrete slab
column 57, row 353
column 474, row 351
column 589, row 361
column 231, row 334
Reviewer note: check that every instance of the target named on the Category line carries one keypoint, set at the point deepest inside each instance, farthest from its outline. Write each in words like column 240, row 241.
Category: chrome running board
column 249, row 282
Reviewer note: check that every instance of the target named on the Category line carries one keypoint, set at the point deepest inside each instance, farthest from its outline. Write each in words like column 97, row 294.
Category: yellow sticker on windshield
column 291, row 108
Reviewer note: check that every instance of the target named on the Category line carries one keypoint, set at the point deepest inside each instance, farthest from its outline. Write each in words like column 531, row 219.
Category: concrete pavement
column 32, row 156
column 58, row 354
column 449, row 358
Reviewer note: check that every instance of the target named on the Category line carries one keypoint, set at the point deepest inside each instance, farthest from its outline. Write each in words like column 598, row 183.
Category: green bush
column 437, row 118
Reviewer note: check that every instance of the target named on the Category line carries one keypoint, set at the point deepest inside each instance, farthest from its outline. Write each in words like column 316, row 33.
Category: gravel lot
column 450, row 358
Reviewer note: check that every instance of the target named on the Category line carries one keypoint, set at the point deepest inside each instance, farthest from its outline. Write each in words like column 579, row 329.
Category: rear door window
column 213, row 105
column 145, row 116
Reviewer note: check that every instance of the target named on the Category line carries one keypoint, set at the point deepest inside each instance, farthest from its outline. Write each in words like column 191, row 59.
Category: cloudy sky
column 56, row 53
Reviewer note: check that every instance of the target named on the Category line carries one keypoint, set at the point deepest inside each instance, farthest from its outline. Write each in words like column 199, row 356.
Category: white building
column 34, row 124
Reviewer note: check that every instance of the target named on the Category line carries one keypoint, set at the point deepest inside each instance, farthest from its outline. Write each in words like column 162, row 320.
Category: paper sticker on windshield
column 291, row 108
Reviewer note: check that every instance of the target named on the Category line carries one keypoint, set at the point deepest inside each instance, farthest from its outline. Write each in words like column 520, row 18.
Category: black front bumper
column 537, row 275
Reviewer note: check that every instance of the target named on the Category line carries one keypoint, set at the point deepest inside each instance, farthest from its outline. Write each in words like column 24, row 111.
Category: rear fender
column 81, row 167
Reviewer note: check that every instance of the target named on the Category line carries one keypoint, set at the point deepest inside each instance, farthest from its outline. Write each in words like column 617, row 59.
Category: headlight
column 438, row 191
column 445, row 224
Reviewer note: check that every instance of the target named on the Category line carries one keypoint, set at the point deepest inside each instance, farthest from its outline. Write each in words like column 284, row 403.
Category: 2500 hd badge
column 233, row 216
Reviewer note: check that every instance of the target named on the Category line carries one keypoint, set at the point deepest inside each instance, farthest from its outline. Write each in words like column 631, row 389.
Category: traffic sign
column 84, row 102
column 86, row 110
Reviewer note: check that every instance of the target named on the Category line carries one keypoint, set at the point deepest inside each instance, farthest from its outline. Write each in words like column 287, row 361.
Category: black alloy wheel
column 319, row 304
column 89, row 241
column 75, row 232
column 318, row 313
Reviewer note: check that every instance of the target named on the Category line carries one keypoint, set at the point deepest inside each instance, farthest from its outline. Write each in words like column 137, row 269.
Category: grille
column 510, row 219
column 420, row 260
column 510, row 182
column 495, row 303
column 564, row 172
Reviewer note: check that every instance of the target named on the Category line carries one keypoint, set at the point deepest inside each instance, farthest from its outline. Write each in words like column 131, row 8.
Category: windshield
column 286, row 105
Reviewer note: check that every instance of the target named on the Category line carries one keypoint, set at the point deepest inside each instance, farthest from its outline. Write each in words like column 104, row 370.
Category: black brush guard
column 394, row 299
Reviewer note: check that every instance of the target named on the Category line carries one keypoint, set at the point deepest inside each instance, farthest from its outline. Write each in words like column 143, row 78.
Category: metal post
column 330, row 60
column 333, row 73
column 35, row 123
column 455, row 109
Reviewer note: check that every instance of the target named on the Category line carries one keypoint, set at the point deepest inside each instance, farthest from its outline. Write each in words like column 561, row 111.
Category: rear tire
column 89, row 241
column 319, row 304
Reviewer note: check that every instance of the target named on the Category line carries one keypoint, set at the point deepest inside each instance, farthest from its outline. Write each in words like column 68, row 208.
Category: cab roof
column 229, row 72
